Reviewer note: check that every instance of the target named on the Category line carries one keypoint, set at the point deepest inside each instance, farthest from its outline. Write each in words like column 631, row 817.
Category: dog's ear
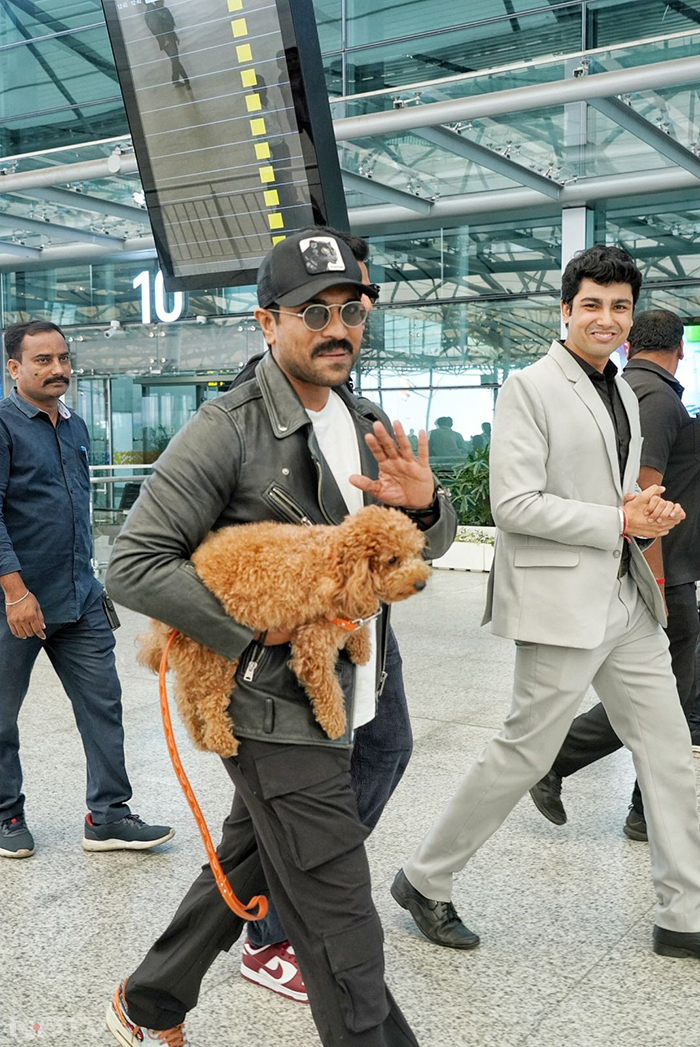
column 358, row 584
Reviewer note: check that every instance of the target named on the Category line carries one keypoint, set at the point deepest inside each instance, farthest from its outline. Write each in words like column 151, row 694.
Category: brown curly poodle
column 274, row 576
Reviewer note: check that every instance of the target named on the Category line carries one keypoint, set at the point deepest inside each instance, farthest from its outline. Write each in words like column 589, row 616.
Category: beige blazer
column 555, row 493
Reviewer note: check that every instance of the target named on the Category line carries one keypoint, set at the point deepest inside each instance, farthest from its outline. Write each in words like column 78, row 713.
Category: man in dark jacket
column 292, row 444
column 380, row 755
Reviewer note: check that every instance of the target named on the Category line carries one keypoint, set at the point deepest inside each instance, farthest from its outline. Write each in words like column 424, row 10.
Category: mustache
column 54, row 381
column 332, row 345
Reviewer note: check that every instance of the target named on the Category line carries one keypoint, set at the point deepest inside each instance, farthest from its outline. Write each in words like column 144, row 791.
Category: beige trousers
column 631, row 674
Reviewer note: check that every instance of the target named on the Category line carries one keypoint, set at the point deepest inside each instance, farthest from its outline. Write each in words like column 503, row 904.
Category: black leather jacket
column 249, row 455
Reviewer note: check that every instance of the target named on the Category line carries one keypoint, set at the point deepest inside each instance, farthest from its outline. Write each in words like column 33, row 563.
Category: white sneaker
column 127, row 1034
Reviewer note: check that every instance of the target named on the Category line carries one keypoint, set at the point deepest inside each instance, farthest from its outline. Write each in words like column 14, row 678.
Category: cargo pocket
column 309, row 791
column 356, row 958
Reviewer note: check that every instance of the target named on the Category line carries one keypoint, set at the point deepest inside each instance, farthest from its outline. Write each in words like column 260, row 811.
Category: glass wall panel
column 664, row 241
column 329, row 22
column 99, row 294
column 480, row 259
column 617, row 21
column 464, row 50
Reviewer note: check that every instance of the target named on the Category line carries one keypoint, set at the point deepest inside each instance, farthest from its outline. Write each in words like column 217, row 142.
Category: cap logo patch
column 321, row 254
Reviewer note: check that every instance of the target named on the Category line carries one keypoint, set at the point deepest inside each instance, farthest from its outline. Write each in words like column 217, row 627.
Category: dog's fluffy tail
column 151, row 645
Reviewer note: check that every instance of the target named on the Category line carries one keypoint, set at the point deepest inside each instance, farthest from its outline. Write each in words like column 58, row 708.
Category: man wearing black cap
column 292, row 444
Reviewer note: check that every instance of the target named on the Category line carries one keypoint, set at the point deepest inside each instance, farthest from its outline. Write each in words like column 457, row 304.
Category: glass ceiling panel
column 20, row 19
column 522, row 74
column 563, row 143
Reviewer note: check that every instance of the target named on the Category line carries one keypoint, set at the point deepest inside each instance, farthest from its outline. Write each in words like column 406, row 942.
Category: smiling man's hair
column 14, row 335
column 603, row 265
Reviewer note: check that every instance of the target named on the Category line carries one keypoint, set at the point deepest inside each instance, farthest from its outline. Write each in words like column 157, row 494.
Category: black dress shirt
column 604, row 385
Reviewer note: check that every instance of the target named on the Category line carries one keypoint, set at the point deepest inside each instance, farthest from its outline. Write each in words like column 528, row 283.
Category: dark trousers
column 380, row 756
column 82, row 653
column 293, row 829
column 591, row 736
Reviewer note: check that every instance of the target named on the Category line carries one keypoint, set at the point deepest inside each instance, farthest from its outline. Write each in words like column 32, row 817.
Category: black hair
column 358, row 246
column 444, row 422
column 14, row 335
column 656, row 330
column 604, row 265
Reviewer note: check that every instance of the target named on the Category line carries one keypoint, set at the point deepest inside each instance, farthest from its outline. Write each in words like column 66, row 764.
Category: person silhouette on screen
column 161, row 24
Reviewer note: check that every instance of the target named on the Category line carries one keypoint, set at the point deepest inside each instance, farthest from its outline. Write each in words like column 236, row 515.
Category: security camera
column 114, row 328
column 201, row 319
column 582, row 69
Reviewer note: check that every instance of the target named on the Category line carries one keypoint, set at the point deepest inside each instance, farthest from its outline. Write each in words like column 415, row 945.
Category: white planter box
column 467, row 556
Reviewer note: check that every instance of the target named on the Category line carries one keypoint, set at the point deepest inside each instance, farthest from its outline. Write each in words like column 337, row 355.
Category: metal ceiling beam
column 56, row 232
column 84, row 202
column 19, row 251
column 479, row 154
column 626, row 117
column 386, row 193
column 520, row 202
column 519, row 99
column 135, row 248
column 86, row 171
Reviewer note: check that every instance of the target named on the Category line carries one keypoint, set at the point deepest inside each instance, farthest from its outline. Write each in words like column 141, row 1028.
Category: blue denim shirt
column 45, row 507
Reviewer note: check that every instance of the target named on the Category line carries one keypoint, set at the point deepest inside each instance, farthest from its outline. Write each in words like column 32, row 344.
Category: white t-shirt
column 337, row 439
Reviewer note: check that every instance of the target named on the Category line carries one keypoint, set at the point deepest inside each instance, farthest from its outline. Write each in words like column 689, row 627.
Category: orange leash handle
column 246, row 912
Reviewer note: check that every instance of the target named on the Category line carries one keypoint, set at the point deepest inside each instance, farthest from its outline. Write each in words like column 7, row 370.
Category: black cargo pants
column 293, row 830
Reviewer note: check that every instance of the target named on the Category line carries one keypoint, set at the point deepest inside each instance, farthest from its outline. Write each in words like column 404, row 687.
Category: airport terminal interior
column 481, row 144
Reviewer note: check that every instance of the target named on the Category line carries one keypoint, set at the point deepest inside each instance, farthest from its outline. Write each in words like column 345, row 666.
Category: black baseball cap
column 305, row 263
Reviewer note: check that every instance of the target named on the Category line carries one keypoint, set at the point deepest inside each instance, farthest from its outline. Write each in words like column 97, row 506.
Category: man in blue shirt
column 49, row 596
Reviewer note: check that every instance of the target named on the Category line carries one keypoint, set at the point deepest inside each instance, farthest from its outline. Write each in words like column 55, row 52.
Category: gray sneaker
column 127, row 834
column 16, row 841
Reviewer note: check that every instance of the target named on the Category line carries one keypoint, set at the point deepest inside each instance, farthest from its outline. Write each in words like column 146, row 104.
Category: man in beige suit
column 571, row 587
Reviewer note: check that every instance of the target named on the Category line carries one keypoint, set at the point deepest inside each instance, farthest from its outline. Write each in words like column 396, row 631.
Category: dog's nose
column 418, row 586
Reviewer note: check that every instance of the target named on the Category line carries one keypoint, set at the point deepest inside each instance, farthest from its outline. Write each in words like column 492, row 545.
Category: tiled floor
column 565, row 914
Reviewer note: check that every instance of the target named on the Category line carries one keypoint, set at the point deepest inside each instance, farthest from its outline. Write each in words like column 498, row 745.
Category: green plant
column 469, row 490
column 474, row 536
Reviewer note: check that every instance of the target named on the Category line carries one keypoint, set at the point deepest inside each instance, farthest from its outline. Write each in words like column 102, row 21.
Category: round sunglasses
column 316, row 317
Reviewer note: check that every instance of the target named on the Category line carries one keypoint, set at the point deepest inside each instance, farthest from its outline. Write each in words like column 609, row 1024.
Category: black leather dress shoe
column 677, row 943
column 546, row 796
column 635, row 828
column 437, row 920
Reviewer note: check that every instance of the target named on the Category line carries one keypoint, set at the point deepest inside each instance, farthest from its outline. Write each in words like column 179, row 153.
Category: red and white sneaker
column 276, row 967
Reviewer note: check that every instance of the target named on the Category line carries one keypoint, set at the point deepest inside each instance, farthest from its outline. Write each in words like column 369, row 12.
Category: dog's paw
column 333, row 722
column 359, row 646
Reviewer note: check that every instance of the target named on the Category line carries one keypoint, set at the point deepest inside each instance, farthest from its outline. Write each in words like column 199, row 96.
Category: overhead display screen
column 229, row 116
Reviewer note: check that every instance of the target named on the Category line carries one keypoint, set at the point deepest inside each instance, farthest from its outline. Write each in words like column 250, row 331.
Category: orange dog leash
column 246, row 912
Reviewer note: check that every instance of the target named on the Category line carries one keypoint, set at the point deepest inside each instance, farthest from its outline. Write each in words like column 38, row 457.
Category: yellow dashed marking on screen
column 267, row 174
column 262, row 151
column 253, row 103
column 244, row 53
column 276, row 221
column 278, row 240
column 239, row 27
column 248, row 77
column 272, row 197
column 257, row 127
column 235, row 5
